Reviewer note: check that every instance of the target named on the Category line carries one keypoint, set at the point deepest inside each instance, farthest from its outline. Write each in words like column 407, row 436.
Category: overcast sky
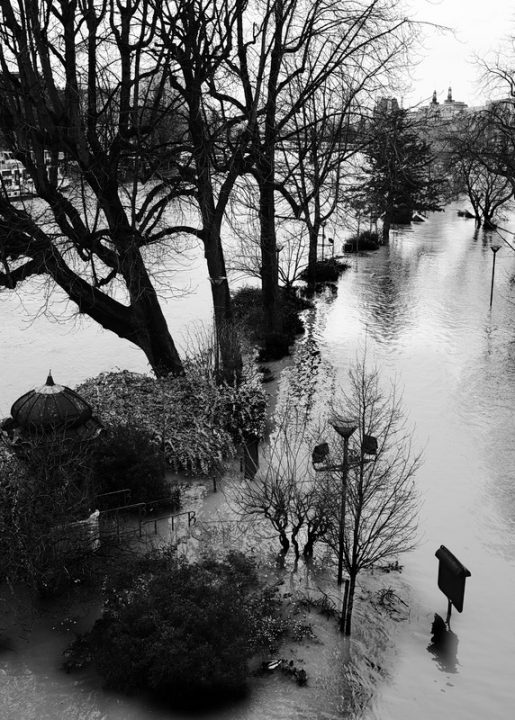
column 480, row 28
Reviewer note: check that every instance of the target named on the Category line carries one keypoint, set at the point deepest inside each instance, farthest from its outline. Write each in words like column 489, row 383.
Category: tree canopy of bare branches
column 79, row 91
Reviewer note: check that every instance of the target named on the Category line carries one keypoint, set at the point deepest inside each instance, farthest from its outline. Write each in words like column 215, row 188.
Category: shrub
column 127, row 456
column 248, row 312
column 367, row 240
column 183, row 630
column 325, row 270
column 242, row 410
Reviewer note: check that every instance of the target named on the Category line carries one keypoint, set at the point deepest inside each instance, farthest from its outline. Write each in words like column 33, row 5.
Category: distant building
column 437, row 122
column 386, row 105
column 441, row 112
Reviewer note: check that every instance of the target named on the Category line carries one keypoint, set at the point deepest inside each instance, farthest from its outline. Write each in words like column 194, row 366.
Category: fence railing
column 121, row 516
column 192, row 519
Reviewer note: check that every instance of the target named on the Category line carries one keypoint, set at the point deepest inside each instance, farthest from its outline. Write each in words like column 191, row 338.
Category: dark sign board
column 369, row 445
column 451, row 577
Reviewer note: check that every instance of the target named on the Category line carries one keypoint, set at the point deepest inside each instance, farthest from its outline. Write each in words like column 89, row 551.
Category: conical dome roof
column 50, row 406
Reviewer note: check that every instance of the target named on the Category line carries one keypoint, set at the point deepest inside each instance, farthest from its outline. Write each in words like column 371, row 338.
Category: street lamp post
column 344, row 428
column 494, row 247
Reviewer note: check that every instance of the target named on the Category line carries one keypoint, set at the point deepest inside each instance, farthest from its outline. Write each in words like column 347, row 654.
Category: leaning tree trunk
column 149, row 328
column 153, row 337
column 142, row 322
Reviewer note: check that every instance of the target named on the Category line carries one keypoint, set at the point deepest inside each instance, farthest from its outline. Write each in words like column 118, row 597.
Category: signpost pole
column 449, row 609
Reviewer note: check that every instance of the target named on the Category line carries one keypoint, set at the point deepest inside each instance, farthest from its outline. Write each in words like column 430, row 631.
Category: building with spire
column 442, row 112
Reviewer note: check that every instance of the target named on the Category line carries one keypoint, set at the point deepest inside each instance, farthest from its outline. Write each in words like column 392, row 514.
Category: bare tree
column 284, row 493
column 487, row 191
column 381, row 507
column 79, row 88
column 200, row 38
column 328, row 128
column 360, row 500
column 469, row 160
column 486, row 137
column 305, row 50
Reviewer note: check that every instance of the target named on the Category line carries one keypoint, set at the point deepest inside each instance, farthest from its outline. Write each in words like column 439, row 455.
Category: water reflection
column 444, row 645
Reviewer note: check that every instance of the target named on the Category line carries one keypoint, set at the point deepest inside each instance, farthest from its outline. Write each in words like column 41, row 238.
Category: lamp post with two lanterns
column 345, row 427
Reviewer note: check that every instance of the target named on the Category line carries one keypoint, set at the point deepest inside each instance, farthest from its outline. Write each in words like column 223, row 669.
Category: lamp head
column 343, row 426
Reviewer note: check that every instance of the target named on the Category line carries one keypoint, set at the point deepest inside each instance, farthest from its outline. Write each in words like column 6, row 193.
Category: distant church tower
column 449, row 95
column 434, row 101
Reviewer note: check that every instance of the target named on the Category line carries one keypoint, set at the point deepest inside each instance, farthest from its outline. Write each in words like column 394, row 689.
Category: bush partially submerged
column 184, row 631
column 325, row 270
column 195, row 420
column 248, row 310
column 366, row 240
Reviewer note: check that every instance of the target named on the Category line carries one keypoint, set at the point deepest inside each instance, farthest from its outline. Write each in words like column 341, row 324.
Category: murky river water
column 421, row 309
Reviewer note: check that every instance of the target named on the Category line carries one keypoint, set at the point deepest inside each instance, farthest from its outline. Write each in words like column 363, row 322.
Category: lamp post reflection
column 494, row 247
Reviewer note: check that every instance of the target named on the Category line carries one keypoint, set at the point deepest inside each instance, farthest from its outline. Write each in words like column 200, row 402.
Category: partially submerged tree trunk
column 387, row 223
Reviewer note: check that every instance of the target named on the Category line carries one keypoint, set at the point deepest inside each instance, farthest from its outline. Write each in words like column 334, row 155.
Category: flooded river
column 420, row 308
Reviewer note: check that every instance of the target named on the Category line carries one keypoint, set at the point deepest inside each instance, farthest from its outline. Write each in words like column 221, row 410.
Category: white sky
column 480, row 28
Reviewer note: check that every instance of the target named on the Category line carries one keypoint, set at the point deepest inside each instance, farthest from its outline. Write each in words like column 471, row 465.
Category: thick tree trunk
column 153, row 337
column 312, row 257
column 387, row 223
column 226, row 335
column 269, row 271
column 308, row 547
column 212, row 214
column 149, row 328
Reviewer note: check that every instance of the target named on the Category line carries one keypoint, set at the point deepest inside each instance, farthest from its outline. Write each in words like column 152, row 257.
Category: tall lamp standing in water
column 494, row 247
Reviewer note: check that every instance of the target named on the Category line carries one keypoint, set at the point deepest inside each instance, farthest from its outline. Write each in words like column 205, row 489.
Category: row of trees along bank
column 157, row 107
